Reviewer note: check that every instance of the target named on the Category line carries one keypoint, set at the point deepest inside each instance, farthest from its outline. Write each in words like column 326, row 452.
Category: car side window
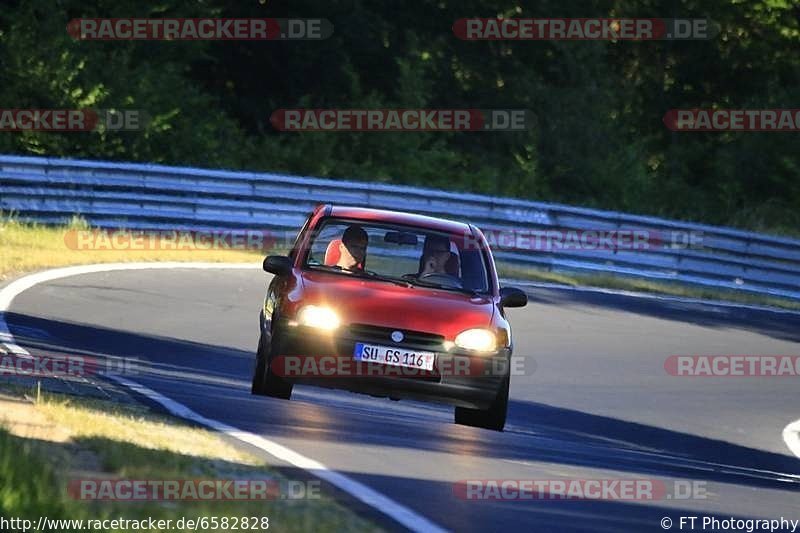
column 473, row 270
column 319, row 247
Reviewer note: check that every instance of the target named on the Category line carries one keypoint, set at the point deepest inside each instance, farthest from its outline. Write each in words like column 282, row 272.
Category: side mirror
column 513, row 297
column 277, row 264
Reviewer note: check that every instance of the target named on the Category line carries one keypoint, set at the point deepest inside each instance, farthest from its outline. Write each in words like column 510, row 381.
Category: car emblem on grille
column 397, row 336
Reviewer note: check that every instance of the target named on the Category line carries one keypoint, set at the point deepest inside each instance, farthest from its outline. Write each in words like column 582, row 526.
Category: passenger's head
column 435, row 255
column 353, row 249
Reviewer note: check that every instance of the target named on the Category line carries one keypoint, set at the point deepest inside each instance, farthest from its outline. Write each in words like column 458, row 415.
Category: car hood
column 364, row 301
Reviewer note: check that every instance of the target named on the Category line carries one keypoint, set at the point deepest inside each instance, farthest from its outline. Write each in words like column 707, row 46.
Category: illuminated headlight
column 481, row 340
column 318, row 317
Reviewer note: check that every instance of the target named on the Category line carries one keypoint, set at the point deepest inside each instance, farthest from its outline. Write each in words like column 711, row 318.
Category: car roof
column 399, row 217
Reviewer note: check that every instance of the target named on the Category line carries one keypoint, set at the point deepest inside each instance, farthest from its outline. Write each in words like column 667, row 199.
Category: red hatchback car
column 390, row 304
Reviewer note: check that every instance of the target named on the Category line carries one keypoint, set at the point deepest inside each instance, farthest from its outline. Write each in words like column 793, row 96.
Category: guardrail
column 141, row 196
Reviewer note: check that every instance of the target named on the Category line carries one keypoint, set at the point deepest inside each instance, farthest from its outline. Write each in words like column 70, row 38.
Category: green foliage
column 598, row 140
column 28, row 485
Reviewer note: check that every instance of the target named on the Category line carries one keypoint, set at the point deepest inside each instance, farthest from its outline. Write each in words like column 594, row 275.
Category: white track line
column 791, row 436
column 383, row 504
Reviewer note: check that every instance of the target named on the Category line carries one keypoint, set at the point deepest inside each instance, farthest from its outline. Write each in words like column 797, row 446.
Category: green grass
column 27, row 487
column 30, row 247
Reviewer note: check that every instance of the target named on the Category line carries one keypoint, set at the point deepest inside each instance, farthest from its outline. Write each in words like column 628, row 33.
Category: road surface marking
column 383, row 504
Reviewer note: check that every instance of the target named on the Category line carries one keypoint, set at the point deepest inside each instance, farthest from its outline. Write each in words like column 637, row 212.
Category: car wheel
column 492, row 418
column 257, row 386
column 265, row 382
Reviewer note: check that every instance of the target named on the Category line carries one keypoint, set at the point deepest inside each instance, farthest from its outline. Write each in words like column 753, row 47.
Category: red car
column 390, row 304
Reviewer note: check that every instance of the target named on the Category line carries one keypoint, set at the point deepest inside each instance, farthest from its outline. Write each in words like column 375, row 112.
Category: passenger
column 436, row 254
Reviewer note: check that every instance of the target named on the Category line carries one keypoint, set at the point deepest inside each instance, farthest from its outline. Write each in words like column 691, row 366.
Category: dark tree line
column 598, row 138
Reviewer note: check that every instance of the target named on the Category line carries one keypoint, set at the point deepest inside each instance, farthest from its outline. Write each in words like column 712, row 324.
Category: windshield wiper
column 369, row 274
column 471, row 292
column 334, row 268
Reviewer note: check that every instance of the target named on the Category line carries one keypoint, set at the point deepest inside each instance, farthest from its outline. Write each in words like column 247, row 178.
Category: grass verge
column 131, row 442
column 29, row 247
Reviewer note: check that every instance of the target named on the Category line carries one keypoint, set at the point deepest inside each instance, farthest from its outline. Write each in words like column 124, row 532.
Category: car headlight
column 318, row 317
column 478, row 339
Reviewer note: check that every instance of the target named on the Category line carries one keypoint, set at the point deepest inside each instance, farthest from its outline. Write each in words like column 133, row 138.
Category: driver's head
column 435, row 255
column 353, row 249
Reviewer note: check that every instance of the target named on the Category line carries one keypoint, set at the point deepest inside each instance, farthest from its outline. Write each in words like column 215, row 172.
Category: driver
column 353, row 248
column 435, row 255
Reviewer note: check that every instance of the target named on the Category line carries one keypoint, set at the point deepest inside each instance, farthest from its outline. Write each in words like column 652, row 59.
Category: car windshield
column 406, row 255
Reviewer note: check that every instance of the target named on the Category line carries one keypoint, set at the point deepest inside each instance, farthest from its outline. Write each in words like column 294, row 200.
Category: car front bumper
column 459, row 378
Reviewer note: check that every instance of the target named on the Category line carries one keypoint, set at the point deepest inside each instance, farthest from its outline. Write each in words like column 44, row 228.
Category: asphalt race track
column 597, row 403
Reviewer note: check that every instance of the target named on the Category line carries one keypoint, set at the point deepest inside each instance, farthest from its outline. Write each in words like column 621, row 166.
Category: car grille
column 381, row 335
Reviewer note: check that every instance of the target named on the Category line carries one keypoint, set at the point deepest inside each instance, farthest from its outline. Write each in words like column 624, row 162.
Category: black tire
column 492, row 418
column 257, row 385
column 265, row 383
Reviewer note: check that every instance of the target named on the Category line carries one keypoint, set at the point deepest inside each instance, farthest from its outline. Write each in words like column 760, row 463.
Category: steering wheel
column 442, row 279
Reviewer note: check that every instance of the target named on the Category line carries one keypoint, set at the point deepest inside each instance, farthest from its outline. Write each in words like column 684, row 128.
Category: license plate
column 389, row 355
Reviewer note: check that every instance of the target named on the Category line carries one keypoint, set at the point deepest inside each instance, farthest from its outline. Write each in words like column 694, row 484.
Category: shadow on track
column 214, row 380
column 785, row 326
